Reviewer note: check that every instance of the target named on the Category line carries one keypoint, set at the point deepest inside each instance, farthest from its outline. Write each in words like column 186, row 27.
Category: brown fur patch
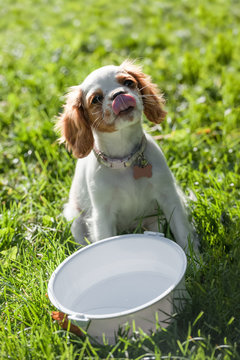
column 98, row 119
column 122, row 77
column 90, row 99
column 152, row 98
column 74, row 125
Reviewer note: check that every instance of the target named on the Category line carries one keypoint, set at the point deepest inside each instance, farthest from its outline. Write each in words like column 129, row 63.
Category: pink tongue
column 123, row 102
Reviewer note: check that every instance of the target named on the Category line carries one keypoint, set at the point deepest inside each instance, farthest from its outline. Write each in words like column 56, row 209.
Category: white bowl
column 117, row 280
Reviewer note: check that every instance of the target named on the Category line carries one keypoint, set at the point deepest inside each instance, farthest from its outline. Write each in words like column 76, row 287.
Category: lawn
column 192, row 51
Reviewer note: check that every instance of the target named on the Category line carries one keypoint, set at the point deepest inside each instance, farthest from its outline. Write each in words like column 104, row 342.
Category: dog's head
column 109, row 99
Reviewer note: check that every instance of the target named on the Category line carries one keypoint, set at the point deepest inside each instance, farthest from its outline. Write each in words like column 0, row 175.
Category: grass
column 191, row 49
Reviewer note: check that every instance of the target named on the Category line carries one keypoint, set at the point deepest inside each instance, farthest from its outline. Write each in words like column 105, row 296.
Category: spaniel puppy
column 121, row 175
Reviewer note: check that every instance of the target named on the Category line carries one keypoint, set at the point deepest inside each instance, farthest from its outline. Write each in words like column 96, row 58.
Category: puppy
column 121, row 175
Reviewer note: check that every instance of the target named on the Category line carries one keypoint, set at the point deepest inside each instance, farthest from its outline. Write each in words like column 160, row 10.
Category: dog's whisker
column 95, row 113
column 97, row 122
column 144, row 87
column 150, row 95
column 149, row 101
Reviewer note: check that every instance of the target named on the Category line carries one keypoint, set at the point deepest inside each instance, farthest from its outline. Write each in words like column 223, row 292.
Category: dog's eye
column 97, row 99
column 128, row 83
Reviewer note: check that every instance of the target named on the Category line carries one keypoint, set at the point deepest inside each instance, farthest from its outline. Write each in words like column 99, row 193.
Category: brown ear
column 74, row 126
column 152, row 98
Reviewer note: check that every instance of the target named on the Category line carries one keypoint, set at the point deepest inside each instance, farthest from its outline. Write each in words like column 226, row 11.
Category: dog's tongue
column 123, row 102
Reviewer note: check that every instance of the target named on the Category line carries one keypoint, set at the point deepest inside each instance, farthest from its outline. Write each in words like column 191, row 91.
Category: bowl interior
column 117, row 275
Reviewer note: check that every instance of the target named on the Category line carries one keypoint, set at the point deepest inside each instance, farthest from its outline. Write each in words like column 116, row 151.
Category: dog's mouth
column 126, row 111
column 123, row 104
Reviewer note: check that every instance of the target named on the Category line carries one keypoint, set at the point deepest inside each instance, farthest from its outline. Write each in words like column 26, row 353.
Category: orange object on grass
column 63, row 321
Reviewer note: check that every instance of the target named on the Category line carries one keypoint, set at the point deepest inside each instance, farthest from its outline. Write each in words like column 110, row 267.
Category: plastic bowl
column 117, row 280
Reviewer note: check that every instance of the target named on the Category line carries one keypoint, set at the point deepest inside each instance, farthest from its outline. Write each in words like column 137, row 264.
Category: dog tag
column 142, row 168
column 139, row 172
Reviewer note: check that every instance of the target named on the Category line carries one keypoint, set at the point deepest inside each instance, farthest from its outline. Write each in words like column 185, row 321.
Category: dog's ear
column 153, row 100
column 74, row 126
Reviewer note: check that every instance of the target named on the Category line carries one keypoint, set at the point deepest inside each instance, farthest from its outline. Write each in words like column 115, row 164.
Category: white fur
column 103, row 201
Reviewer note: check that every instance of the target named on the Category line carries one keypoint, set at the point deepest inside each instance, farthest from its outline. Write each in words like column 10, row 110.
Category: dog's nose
column 117, row 93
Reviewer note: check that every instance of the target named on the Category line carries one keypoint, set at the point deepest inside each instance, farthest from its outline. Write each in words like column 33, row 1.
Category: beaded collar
column 127, row 161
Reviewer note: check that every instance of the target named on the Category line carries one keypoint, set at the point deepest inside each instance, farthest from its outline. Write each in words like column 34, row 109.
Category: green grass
column 192, row 51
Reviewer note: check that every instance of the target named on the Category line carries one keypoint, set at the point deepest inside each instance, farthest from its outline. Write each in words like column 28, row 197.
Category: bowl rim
column 130, row 311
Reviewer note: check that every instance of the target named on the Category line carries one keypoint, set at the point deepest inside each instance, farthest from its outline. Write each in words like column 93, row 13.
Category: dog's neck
column 121, row 143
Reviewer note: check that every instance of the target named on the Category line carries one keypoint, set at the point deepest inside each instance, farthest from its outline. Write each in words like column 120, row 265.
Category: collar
column 116, row 163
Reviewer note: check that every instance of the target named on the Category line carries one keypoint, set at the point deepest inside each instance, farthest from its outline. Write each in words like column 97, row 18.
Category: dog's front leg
column 103, row 225
column 172, row 204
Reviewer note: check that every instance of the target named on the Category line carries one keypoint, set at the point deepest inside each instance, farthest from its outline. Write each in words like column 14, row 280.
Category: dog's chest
column 132, row 199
